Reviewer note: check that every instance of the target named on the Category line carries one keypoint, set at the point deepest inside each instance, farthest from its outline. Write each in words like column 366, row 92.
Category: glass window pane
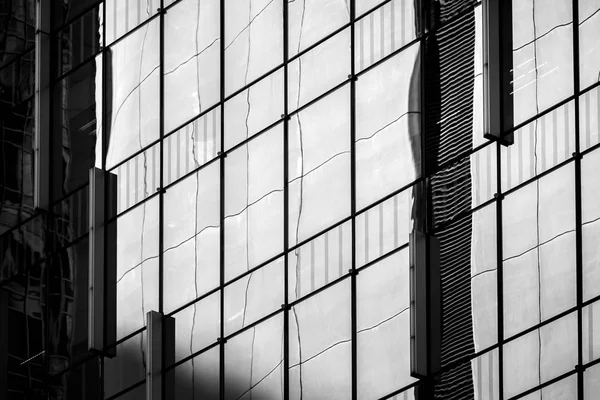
column 254, row 109
column 539, row 250
column 383, row 31
column 198, row 378
column 542, row 55
column 319, row 166
column 123, row 16
column 387, row 128
column 320, row 351
column 565, row 389
column 540, row 355
column 253, row 40
column 192, row 146
column 254, row 362
column 254, row 202
column 591, row 332
column 383, row 228
column 132, row 90
column 319, row 70
column 191, row 237
column 589, row 118
column 312, row 20
column 192, row 60
column 197, row 326
column 137, row 266
column 254, row 296
column 383, row 327
column 590, row 215
column 485, row 376
column 128, row 367
column 589, row 48
column 322, row 260
column 591, row 380
column 80, row 40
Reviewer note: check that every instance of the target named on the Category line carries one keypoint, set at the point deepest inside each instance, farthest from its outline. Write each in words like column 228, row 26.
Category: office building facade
column 302, row 199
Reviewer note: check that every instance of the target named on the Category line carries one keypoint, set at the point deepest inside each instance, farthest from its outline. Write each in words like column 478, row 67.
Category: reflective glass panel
column 198, row 378
column 589, row 48
column 590, row 215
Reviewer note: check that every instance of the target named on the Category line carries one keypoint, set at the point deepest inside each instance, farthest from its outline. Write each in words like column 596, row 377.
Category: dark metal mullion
column 286, row 316
column 104, row 147
column 222, row 203
column 578, row 205
column 354, row 272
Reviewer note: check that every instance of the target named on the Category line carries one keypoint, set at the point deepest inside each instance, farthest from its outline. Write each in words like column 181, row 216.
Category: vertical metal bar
column 353, row 198
column 578, row 205
column 222, row 203
column 286, row 212
column 499, row 276
column 160, row 350
column 103, row 138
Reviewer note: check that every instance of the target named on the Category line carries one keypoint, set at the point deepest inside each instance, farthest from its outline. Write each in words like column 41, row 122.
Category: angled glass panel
column 589, row 48
column 322, row 260
column 589, row 118
column 539, row 146
column 319, row 70
column 191, row 237
column 320, row 350
column 123, row 16
column 383, row 31
column 312, row 20
column 131, row 90
column 542, row 55
column 590, row 215
column 197, row 326
column 383, row 327
column 192, row 60
column 254, row 296
column 253, row 40
column 254, row 202
column 198, row 378
column 388, row 154
column 137, row 266
column 192, row 146
column 540, row 355
column 383, row 228
column 254, row 109
column 128, row 367
column 539, row 250
column 319, row 165
column 254, row 362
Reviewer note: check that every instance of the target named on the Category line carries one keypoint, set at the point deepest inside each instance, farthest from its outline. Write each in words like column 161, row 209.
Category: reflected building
column 307, row 199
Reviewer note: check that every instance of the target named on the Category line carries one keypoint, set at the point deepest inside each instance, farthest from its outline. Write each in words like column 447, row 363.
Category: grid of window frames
column 266, row 169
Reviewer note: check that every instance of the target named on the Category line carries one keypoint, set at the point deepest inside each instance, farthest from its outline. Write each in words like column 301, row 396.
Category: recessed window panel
column 322, row 260
column 191, row 237
column 254, row 296
column 320, row 345
column 319, row 70
column 387, row 128
column 542, row 55
column 131, row 93
column 590, row 215
column 383, row 327
column 192, row 60
column 319, row 165
column 253, row 40
column 137, row 266
column 254, row 202
column 312, row 20
column 254, row 362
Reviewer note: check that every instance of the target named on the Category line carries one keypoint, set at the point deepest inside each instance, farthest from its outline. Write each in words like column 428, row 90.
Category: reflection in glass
column 564, row 389
column 542, row 55
column 540, row 355
column 137, row 266
column 192, row 60
column 254, row 202
column 123, row 16
column 383, row 327
column 254, row 362
column 591, row 379
column 254, row 296
column 131, row 91
column 191, row 237
column 485, row 376
column 198, row 378
column 322, row 260
column 253, row 40
column 539, row 250
column 589, row 48
column 589, row 119
column 590, row 330
column 128, row 367
column 319, row 165
column 387, row 128
column 590, row 216
column 320, row 353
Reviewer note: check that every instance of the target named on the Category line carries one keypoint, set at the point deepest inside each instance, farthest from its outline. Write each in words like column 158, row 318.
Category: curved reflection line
column 253, row 203
column 387, row 125
column 545, row 34
column 319, row 166
column 191, row 58
column 321, row 352
column 246, row 27
column 265, row 377
column 384, row 321
column 594, row 13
